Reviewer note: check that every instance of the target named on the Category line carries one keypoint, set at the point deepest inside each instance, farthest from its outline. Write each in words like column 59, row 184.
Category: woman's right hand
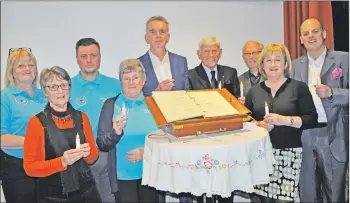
column 265, row 125
column 71, row 156
column 119, row 123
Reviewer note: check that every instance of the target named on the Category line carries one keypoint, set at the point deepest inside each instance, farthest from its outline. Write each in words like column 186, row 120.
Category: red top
column 34, row 162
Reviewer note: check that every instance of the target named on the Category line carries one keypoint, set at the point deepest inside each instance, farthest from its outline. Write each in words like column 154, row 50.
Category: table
column 215, row 164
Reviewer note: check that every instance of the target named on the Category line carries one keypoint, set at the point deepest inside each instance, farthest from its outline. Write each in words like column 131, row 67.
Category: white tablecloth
column 215, row 164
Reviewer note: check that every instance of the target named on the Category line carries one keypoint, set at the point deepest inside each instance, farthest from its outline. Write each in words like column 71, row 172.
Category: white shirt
column 315, row 67
column 208, row 71
column 161, row 68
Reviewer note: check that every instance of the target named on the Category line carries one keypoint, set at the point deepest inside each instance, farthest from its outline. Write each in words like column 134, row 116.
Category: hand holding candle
column 241, row 88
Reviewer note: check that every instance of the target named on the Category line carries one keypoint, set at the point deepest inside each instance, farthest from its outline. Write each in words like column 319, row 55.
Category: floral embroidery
column 209, row 163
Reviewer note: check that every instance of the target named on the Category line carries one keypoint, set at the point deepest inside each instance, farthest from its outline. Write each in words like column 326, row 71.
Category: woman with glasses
column 284, row 107
column 59, row 145
column 20, row 100
column 124, row 122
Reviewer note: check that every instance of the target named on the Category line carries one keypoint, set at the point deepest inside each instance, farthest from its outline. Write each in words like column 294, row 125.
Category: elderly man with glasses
column 250, row 54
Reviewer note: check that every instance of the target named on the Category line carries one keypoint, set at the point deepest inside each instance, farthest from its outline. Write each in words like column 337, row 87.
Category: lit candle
column 241, row 88
column 77, row 141
column 266, row 108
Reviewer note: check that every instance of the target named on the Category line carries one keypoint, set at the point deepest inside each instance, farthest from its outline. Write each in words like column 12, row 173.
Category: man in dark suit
column 209, row 74
column 250, row 54
column 165, row 71
column 325, row 148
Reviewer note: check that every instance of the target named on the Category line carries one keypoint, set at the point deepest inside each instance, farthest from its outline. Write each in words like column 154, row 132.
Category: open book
column 181, row 105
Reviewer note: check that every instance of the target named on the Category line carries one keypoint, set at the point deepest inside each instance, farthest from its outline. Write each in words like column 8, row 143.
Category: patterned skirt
column 284, row 180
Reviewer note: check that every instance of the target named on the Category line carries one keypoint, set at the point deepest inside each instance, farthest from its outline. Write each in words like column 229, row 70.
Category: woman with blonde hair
column 285, row 108
column 20, row 99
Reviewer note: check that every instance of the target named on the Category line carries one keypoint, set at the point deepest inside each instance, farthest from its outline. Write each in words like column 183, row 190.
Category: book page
column 176, row 105
column 212, row 103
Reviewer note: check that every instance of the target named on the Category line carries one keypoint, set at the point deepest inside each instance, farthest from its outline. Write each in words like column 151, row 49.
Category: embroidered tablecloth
column 215, row 164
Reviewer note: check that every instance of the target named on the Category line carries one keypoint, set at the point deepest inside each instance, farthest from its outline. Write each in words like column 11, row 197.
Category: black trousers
column 16, row 184
column 131, row 191
column 87, row 193
column 214, row 199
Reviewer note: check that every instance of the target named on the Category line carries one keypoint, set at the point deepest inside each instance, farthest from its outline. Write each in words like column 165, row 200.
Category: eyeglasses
column 55, row 87
column 11, row 50
column 134, row 79
column 253, row 53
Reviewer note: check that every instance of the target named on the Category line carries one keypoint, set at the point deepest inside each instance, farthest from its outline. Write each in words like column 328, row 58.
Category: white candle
column 219, row 84
column 241, row 88
column 266, row 108
column 77, row 141
column 123, row 110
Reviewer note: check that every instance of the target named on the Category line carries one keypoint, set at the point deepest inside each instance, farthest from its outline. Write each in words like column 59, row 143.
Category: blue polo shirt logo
column 21, row 101
column 81, row 101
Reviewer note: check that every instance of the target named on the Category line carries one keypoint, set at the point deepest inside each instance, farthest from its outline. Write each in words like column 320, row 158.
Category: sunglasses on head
column 11, row 50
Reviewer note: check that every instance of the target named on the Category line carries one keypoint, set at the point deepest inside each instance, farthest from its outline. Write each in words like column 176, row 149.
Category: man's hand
column 241, row 100
column 323, row 91
column 166, row 85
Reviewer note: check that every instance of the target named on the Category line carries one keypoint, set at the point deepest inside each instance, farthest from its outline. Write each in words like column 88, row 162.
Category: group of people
column 81, row 139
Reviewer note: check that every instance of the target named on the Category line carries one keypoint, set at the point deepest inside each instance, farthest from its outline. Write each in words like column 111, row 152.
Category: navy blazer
column 179, row 71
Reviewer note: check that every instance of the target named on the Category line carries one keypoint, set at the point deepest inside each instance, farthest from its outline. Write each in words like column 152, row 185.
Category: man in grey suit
column 250, row 54
column 165, row 71
column 209, row 73
column 325, row 148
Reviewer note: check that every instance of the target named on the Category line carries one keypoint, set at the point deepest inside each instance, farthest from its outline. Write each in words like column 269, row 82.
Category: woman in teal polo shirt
column 20, row 100
column 124, row 122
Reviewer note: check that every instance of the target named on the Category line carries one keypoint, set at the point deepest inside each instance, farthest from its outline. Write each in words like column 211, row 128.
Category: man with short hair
column 165, row 70
column 209, row 73
column 89, row 91
column 325, row 148
column 250, row 54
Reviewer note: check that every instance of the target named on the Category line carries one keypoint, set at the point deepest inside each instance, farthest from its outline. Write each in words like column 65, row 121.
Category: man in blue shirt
column 89, row 91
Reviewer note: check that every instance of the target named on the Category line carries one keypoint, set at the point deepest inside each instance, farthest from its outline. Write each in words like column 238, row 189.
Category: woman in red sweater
column 52, row 150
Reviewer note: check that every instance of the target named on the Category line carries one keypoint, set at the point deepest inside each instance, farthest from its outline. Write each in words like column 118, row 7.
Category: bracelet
column 291, row 120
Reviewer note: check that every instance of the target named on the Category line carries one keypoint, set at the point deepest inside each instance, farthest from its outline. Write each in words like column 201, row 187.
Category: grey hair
column 131, row 65
column 253, row 42
column 48, row 74
column 157, row 18
column 208, row 40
